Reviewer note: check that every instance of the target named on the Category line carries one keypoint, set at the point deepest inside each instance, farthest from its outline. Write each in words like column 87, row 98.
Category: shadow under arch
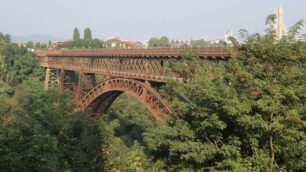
column 101, row 97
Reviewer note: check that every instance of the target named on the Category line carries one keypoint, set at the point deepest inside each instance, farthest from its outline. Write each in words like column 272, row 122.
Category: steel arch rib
column 145, row 94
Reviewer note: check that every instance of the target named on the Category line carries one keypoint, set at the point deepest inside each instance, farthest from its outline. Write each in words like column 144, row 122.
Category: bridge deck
column 145, row 64
column 153, row 52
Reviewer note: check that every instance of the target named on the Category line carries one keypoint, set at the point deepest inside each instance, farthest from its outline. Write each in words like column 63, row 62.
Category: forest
column 244, row 114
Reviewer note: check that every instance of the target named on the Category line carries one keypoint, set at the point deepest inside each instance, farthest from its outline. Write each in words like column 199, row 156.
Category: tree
column 7, row 38
column 37, row 45
column 43, row 134
column 198, row 43
column 153, row 42
column 87, row 35
column 49, row 43
column 43, row 46
column 123, row 127
column 1, row 36
column 77, row 42
column 247, row 114
column 164, row 41
column 159, row 42
column 38, row 129
column 30, row 44
column 294, row 30
column 76, row 34
column 2, row 68
column 87, row 38
column 96, row 43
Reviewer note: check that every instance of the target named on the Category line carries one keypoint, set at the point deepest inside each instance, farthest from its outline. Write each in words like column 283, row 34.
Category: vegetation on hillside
column 38, row 129
column 245, row 114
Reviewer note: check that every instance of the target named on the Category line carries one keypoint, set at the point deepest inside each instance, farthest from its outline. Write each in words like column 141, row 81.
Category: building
column 22, row 44
column 116, row 42
column 280, row 27
column 227, row 35
column 62, row 44
column 300, row 37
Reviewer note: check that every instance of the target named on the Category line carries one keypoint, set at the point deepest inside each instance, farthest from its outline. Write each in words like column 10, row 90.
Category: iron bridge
column 138, row 72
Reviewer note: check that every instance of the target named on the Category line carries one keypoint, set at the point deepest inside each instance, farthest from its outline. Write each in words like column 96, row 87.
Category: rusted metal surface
column 211, row 52
column 102, row 96
column 145, row 64
column 153, row 70
column 131, row 71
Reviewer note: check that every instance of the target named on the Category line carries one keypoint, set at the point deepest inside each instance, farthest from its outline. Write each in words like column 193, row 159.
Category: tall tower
column 280, row 26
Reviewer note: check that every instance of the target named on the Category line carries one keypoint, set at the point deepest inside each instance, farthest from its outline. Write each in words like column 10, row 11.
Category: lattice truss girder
column 83, row 84
column 51, row 78
column 130, row 65
column 123, row 67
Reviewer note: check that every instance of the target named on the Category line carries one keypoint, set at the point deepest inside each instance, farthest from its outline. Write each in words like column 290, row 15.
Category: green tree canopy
column 30, row 44
column 246, row 114
column 76, row 34
column 43, row 134
column 5, row 37
column 38, row 129
column 159, row 42
column 87, row 34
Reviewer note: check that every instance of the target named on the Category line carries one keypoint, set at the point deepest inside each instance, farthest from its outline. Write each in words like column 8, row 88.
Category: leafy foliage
column 38, row 129
column 247, row 114
column 159, row 42
column 123, row 128
column 43, row 134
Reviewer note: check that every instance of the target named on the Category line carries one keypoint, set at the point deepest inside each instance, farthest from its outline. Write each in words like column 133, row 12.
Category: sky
column 143, row 19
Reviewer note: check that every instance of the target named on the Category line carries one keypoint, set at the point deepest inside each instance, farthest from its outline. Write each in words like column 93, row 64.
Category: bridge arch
column 101, row 97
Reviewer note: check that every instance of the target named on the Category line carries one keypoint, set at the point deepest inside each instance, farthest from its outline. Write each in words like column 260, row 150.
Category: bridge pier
column 51, row 78
column 79, row 88
column 85, row 82
column 47, row 78
column 61, row 79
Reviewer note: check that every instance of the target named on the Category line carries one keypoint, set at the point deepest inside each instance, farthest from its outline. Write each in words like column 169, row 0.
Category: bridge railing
column 150, row 52
column 148, row 64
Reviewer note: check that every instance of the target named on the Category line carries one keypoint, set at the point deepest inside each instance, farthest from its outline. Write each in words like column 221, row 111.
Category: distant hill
column 36, row 38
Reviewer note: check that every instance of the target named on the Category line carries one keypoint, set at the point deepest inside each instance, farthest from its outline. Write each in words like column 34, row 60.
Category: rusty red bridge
column 138, row 72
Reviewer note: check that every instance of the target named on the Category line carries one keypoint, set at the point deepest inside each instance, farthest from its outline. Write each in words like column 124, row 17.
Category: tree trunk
column 272, row 154
column 271, row 145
